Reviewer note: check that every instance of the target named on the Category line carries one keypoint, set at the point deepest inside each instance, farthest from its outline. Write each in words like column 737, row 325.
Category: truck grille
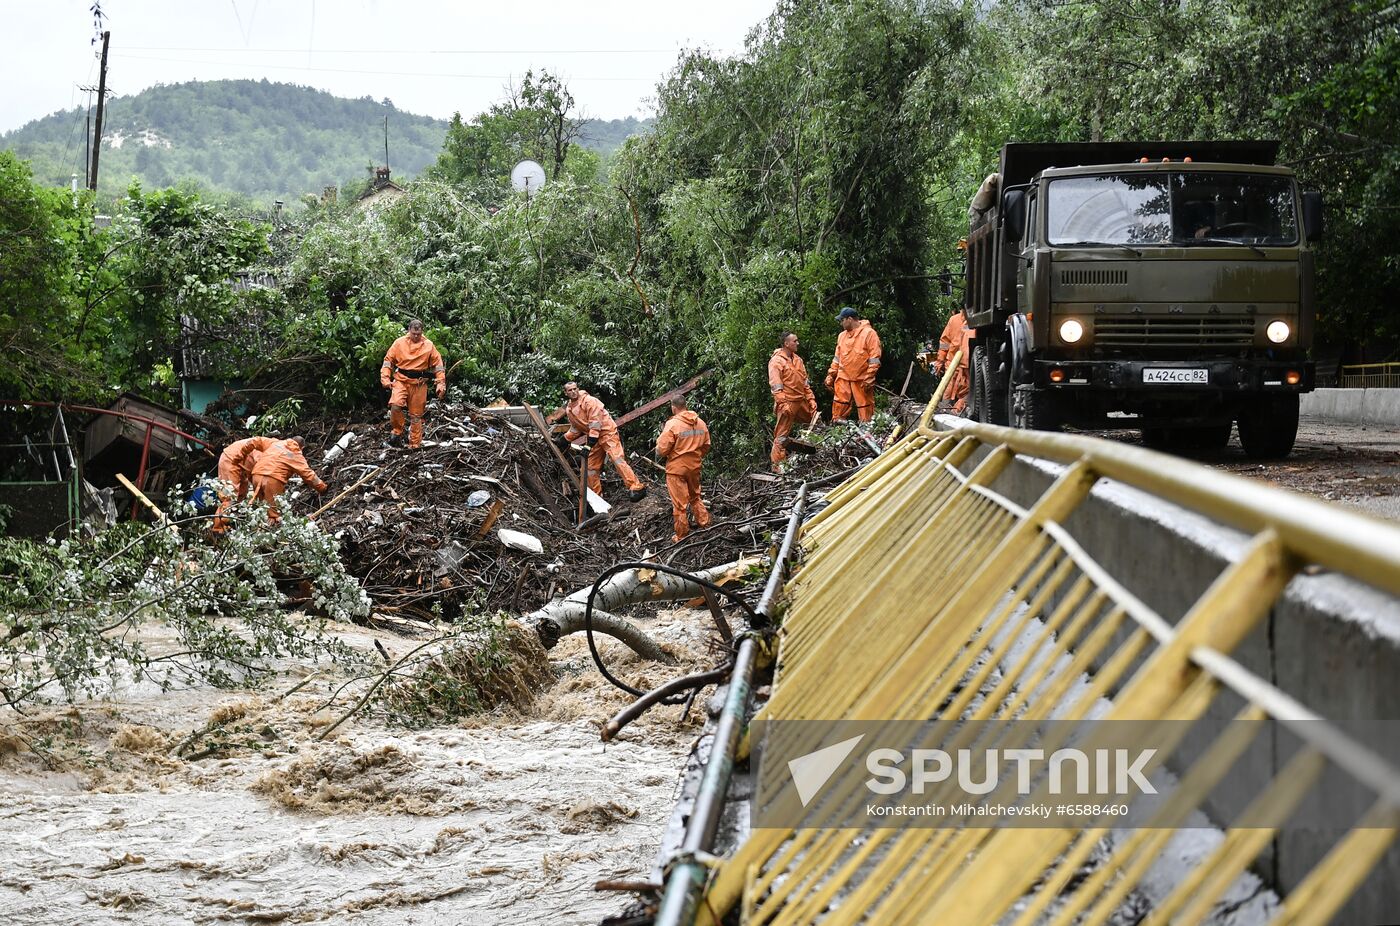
column 1094, row 277
column 1172, row 331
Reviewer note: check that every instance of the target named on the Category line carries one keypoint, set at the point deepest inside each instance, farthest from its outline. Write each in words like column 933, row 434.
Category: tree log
column 565, row 615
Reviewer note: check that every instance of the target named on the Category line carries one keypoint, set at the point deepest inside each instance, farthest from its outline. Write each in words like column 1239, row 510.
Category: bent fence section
column 913, row 585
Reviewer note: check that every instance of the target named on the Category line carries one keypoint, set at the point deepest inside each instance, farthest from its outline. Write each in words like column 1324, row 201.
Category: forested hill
column 261, row 139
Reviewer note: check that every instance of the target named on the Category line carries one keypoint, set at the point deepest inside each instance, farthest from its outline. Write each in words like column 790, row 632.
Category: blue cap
column 846, row 313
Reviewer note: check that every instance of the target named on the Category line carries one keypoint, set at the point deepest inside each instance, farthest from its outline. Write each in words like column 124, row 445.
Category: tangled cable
column 755, row 620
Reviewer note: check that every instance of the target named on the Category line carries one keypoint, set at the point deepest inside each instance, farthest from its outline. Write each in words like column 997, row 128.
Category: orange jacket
column 241, row 453
column 588, row 416
column 284, row 458
column 683, row 443
column 955, row 337
column 857, row 356
column 406, row 357
column 787, row 379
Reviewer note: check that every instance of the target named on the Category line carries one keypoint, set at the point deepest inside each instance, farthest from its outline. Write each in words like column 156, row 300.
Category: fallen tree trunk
column 564, row 616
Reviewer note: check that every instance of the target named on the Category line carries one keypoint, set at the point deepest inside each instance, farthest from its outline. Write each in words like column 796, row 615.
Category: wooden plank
column 141, row 497
column 661, row 400
column 538, row 421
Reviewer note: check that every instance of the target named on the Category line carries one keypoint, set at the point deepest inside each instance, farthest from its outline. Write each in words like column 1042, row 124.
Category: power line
column 293, row 67
column 421, row 51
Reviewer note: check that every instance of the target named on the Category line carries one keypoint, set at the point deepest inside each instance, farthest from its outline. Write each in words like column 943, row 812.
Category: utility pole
column 101, row 99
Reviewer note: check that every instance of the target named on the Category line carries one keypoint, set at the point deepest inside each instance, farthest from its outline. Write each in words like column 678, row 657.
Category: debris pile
column 485, row 517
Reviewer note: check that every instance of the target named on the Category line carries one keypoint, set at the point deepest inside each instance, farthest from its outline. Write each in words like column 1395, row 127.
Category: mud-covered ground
column 1351, row 464
column 510, row 817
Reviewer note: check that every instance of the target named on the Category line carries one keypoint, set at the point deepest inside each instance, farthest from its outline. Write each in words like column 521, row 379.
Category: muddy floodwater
column 509, row 818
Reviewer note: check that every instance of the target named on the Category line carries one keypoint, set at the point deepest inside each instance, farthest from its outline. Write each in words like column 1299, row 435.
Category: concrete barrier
column 1330, row 643
column 1361, row 406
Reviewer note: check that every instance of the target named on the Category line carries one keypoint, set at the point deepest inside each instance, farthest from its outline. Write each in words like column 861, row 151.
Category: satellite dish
column 527, row 177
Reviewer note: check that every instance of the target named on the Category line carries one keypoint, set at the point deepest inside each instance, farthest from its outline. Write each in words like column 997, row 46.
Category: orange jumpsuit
column 588, row 416
column 276, row 465
column 236, row 470
column 793, row 400
column 854, row 366
column 956, row 336
column 406, row 369
column 683, row 444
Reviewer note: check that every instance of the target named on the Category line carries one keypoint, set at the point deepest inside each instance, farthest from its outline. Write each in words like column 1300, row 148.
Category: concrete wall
column 1362, row 406
column 1329, row 643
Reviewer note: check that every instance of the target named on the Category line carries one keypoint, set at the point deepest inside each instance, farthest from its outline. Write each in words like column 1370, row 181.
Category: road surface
column 1353, row 464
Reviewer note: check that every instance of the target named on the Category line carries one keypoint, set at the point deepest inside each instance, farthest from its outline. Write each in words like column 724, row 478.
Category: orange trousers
column 609, row 446
column 267, row 489
column 860, row 396
column 410, row 395
column 241, row 482
column 789, row 415
column 958, row 388
column 684, row 488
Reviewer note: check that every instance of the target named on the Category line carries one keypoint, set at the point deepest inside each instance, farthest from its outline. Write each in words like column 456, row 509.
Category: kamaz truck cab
column 1165, row 286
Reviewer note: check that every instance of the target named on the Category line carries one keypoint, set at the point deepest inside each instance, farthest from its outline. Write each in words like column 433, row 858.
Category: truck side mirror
column 1013, row 210
column 1312, row 216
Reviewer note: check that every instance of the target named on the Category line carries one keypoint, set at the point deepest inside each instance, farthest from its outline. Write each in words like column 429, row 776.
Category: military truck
column 1163, row 286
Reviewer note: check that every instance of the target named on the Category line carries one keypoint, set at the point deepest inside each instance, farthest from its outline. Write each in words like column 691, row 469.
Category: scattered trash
column 518, row 540
column 478, row 498
column 340, row 447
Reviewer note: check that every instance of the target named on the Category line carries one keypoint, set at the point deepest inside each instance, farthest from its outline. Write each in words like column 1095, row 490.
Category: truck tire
column 1269, row 427
column 979, row 385
column 991, row 407
column 1033, row 409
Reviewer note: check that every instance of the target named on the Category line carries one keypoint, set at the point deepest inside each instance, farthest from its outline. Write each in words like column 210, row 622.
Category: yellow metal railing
column 1369, row 376
column 917, row 579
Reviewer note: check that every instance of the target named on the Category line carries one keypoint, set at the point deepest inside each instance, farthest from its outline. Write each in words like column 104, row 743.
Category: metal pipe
column 686, row 878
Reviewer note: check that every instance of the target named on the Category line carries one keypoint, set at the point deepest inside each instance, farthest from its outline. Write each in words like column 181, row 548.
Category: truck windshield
column 1187, row 209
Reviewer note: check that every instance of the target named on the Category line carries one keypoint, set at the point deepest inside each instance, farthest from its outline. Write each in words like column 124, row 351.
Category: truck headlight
column 1071, row 331
column 1278, row 331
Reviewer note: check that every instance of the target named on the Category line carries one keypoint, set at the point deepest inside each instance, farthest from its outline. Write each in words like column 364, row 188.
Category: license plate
column 1175, row 375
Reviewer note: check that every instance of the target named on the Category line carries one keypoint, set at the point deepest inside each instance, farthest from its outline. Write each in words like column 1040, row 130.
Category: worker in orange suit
column 683, row 443
column 589, row 419
column 853, row 368
column 956, row 336
column 793, row 400
column 410, row 362
column 236, row 472
column 277, row 464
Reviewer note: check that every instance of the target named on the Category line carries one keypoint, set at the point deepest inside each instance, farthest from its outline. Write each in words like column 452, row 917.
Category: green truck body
column 1165, row 286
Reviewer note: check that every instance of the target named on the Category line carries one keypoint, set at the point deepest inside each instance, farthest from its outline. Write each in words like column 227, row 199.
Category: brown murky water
column 509, row 820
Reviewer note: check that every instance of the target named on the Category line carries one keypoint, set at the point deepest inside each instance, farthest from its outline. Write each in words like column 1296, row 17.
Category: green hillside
column 256, row 138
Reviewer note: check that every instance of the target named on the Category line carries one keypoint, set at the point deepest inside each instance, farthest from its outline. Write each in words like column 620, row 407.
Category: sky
column 431, row 57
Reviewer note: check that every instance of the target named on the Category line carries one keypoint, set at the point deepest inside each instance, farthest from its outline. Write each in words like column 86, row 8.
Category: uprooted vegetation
column 414, row 541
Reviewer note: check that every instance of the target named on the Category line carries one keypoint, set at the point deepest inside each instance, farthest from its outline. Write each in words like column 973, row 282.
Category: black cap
column 846, row 313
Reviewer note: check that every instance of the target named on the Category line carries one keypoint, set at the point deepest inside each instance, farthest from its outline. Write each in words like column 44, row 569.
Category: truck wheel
column 1028, row 407
column 991, row 408
column 1269, row 426
column 979, row 385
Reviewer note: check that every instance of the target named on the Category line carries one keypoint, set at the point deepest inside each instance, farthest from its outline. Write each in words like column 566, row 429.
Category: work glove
column 830, row 381
column 561, row 441
column 441, row 391
column 591, row 442
column 321, row 487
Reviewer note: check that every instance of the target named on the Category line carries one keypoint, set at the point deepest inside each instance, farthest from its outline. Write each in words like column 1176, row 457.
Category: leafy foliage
column 70, row 610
